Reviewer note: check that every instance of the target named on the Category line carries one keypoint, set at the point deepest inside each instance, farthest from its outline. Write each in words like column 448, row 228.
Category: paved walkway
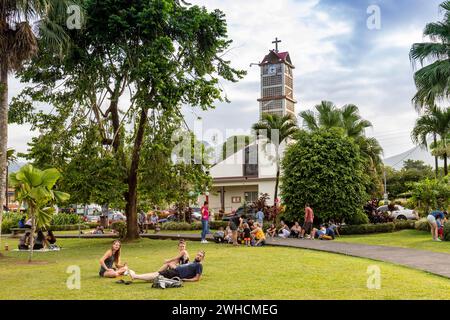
column 432, row 262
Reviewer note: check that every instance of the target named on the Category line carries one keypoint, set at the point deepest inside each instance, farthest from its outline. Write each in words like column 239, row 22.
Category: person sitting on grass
column 335, row 227
column 258, row 233
column 296, row 230
column 228, row 234
column 189, row 272
column 247, row 234
column 324, row 233
column 40, row 242
column 284, row 231
column 24, row 241
column 219, row 236
column 181, row 258
column 110, row 266
column 272, row 231
column 98, row 230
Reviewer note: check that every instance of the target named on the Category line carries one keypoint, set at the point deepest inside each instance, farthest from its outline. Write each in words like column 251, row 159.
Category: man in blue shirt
column 260, row 217
column 189, row 272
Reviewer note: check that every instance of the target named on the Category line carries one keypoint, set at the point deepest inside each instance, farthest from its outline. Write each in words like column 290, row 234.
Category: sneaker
column 438, row 240
column 204, row 241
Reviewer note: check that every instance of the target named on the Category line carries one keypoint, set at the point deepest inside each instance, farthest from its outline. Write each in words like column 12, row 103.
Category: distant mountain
column 416, row 153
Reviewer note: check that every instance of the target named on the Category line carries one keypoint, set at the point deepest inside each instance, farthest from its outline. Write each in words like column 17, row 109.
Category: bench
column 16, row 231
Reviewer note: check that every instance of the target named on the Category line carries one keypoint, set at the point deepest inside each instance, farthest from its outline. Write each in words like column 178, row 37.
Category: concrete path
column 428, row 261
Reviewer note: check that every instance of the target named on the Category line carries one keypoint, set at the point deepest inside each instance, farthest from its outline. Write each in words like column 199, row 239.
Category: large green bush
column 324, row 169
column 431, row 194
column 447, row 231
column 422, row 225
column 61, row 219
column 120, row 227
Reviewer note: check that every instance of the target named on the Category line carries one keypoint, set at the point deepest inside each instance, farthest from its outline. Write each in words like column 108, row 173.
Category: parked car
column 196, row 214
column 92, row 218
column 399, row 212
column 241, row 211
column 114, row 216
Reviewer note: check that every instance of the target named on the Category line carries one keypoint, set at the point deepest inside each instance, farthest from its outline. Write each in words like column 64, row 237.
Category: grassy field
column 229, row 273
column 405, row 239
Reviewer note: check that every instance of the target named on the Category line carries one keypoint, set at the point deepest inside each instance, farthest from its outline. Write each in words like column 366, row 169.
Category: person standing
column 205, row 221
column 260, row 216
column 432, row 221
column 309, row 218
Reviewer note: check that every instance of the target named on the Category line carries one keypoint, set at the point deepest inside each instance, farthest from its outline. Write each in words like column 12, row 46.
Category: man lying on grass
column 187, row 272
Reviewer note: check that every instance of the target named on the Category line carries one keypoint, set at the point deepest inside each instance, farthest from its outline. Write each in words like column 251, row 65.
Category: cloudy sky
column 337, row 58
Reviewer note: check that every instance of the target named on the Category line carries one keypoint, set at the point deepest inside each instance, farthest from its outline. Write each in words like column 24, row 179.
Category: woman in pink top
column 205, row 221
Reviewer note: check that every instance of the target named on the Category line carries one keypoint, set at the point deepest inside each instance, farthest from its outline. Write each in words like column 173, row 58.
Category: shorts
column 247, row 239
column 233, row 226
column 431, row 220
column 307, row 226
column 170, row 273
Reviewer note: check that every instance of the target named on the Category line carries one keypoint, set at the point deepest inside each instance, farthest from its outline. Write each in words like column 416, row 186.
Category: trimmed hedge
column 422, row 225
column 376, row 228
column 447, row 231
column 68, row 227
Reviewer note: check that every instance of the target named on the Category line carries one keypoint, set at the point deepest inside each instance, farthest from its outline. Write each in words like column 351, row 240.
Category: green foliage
column 176, row 59
column 120, row 227
column 447, row 231
column 422, row 225
column 324, row 168
column 8, row 222
column 430, row 194
column 357, row 218
column 367, row 228
column 398, row 181
column 176, row 226
column 65, row 219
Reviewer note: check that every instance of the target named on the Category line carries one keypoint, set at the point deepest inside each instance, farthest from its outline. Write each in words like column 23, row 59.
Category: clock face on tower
column 272, row 69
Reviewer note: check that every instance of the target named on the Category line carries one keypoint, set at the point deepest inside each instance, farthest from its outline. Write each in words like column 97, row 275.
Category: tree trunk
column 436, row 163
column 445, row 164
column 33, row 230
column 3, row 135
column 277, row 181
column 131, row 196
column 6, row 184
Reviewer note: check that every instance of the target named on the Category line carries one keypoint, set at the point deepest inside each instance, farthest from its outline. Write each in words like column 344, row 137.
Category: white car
column 400, row 213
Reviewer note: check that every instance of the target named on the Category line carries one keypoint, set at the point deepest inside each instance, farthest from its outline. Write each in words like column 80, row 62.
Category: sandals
column 121, row 281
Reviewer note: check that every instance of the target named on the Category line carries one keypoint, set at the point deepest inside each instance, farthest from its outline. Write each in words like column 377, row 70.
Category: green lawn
column 405, row 239
column 229, row 273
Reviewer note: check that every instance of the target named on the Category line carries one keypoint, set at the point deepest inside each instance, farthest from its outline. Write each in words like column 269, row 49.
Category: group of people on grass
column 249, row 233
column 41, row 241
column 178, row 266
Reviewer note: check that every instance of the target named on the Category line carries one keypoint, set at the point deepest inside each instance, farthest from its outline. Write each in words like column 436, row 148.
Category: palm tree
column 276, row 129
column 328, row 116
column 35, row 188
column 18, row 44
column 433, row 80
column 435, row 121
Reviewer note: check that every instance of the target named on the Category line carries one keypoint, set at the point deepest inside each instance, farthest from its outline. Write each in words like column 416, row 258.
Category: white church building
column 246, row 174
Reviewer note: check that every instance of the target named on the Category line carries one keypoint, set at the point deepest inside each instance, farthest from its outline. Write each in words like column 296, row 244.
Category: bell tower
column 277, row 83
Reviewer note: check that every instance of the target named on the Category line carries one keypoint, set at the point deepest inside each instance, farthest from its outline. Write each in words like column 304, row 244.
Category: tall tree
column 277, row 130
column 18, row 43
column 132, row 59
column 433, row 80
column 435, row 121
column 348, row 119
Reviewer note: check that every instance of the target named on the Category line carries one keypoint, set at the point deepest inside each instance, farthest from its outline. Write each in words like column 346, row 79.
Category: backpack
column 163, row 283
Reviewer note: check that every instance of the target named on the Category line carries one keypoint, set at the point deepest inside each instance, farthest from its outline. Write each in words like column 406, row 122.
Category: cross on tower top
column 276, row 43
